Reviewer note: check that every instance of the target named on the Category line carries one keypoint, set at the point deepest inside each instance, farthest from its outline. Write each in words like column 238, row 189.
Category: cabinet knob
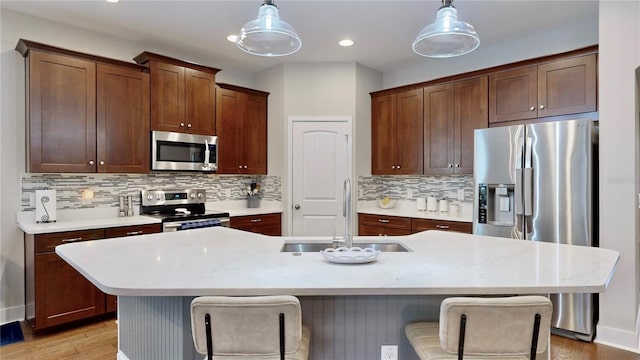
column 189, row 125
column 245, row 166
column 296, row 206
column 101, row 163
column 91, row 162
column 457, row 165
column 532, row 108
column 181, row 124
column 393, row 166
column 239, row 166
column 450, row 165
column 398, row 167
column 541, row 107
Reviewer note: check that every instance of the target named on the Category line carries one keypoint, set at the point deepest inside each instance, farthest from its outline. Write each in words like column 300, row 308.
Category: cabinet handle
column 256, row 220
column 398, row 167
column 442, row 226
column 134, row 233
column 101, row 163
column 541, row 107
column 72, row 240
column 181, row 124
column 450, row 165
column 393, row 166
column 189, row 125
column 239, row 166
column 532, row 108
column 245, row 166
column 457, row 165
column 91, row 162
column 383, row 221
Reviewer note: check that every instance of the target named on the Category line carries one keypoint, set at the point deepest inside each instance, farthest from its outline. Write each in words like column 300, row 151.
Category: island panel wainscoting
column 351, row 309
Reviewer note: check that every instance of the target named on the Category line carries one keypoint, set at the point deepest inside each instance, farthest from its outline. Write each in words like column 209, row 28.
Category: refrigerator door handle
column 518, row 192
column 528, row 191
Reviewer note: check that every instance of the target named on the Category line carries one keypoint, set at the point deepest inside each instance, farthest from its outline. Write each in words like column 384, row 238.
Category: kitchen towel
column 45, row 206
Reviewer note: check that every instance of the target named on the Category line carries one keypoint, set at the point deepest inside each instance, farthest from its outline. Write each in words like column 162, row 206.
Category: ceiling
column 382, row 30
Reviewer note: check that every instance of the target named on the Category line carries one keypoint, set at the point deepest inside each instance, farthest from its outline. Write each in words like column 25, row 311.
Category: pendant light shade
column 268, row 35
column 447, row 36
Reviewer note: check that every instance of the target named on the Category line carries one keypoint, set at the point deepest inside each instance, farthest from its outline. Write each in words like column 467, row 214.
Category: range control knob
column 192, row 195
column 200, row 195
column 149, row 197
column 158, row 197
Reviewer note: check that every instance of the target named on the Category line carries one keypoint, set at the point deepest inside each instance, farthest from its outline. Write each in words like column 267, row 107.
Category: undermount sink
column 316, row 247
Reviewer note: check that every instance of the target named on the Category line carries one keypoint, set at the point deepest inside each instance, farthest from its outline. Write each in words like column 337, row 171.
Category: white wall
column 619, row 229
column 12, row 134
column 367, row 80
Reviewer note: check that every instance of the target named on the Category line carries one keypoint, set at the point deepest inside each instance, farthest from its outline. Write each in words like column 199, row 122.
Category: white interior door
column 321, row 159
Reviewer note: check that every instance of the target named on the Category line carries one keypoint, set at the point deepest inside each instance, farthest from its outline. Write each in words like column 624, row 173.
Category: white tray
column 354, row 255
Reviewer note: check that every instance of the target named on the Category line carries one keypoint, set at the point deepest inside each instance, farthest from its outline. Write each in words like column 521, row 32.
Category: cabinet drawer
column 418, row 225
column 366, row 230
column 133, row 230
column 385, row 221
column 244, row 222
column 48, row 242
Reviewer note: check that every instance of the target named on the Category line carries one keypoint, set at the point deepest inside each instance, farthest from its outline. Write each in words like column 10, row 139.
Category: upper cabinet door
column 62, row 113
column 200, row 102
column 470, row 113
column 438, row 129
column 167, row 97
column 254, row 133
column 228, row 119
column 409, row 128
column 383, row 134
column 567, row 86
column 513, row 95
column 122, row 120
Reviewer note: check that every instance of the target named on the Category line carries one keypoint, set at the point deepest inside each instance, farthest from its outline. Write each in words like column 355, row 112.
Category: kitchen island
column 351, row 309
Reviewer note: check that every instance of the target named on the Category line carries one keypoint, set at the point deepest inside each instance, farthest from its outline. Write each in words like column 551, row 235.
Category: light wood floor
column 98, row 341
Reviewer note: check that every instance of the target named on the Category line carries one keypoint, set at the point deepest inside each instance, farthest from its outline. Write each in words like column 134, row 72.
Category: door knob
column 296, row 206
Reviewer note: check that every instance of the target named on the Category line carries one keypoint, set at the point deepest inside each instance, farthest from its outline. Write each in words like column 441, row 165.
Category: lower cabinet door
column 63, row 294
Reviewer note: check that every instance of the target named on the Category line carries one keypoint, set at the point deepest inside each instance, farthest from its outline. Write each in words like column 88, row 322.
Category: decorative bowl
column 389, row 205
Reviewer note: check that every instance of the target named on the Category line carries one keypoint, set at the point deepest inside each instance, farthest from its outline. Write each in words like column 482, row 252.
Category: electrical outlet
column 461, row 195
column 409, row 193
column 228, row 193
column 389, row 352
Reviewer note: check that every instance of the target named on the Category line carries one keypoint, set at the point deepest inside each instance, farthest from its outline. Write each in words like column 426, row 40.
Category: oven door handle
column 172, row 226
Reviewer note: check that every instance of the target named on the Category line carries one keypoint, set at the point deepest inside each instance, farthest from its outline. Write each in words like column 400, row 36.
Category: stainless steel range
column 181, row 209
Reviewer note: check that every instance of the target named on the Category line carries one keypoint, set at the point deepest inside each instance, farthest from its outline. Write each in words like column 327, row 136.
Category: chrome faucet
column 346, row 212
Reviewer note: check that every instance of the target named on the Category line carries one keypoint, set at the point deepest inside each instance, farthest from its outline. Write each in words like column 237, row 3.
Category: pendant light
column 447, row 36
column 268, row 35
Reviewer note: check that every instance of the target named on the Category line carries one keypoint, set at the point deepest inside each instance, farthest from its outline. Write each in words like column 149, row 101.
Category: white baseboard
column 11, row 314
column 121, row 356
column 621, row 339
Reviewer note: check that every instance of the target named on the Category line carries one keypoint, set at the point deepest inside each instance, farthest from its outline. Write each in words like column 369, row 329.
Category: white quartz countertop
column 408, row 208
column 96, row 218
column 223, row 261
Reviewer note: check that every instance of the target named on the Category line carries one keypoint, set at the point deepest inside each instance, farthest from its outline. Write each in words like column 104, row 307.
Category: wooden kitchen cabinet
column 396, row 133
column 85, row 113
column 418, row 225
column 380, row 225
column 122, row 120
column 451, row 114
column 241, row 127
column 55, row 292
column 559, row 87
column 267, row 224
column 182, row 95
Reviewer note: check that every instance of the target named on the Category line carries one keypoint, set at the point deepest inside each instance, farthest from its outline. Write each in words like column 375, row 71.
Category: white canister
column 443, row 206
column 454, row 209
column 421, row 203
column 432, row 204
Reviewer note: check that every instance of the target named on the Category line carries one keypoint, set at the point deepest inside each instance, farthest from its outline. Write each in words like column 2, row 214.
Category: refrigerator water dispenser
column 496, row 204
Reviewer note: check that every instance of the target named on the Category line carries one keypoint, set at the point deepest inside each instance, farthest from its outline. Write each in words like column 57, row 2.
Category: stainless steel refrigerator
column 539, row 182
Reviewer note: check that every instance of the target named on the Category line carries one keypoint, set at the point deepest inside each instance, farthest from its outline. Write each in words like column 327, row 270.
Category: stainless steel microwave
column 183, row 152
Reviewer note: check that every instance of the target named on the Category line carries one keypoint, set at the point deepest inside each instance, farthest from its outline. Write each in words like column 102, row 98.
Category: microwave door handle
column 206, row 155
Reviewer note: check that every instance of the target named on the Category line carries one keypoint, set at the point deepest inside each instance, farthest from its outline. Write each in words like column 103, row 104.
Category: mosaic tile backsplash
column 398, row 187
column 108, row 187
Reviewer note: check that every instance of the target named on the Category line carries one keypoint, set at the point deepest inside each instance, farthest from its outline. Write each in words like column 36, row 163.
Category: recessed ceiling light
column 345, row 42
column 113, row 1
column 233, row 38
